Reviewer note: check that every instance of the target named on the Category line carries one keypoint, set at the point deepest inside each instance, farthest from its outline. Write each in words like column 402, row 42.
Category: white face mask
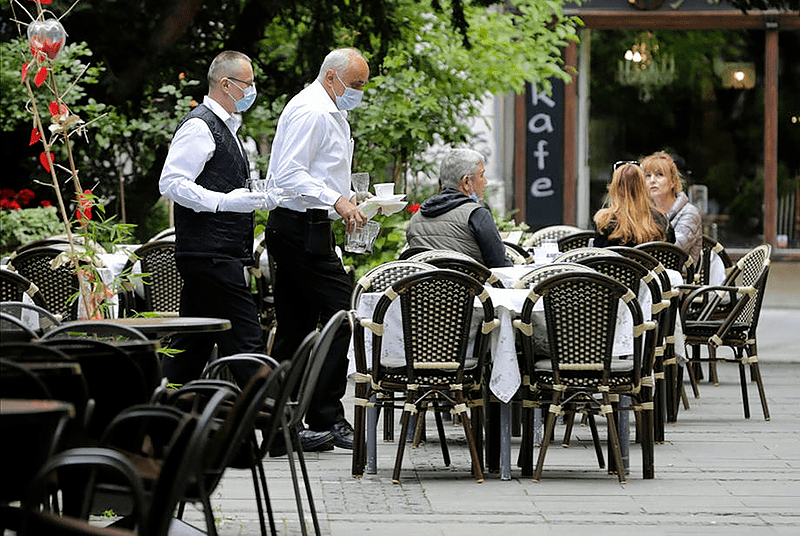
column 248, row 97
column 350, row 98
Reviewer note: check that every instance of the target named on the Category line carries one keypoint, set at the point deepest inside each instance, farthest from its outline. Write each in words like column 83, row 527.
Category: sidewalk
column 717, row 473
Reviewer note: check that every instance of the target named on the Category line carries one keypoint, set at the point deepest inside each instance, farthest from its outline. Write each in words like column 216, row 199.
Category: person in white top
column 311, row 155
column 205, row 174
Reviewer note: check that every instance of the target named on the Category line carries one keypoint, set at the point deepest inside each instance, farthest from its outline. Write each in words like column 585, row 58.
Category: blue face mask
column 350, row 98
column 247, row 100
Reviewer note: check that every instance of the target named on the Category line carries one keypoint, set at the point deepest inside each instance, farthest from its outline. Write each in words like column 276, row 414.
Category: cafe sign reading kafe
column 544, row 155
column 46, row 38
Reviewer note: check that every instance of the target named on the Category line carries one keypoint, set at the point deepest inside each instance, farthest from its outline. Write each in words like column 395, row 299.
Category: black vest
column 223, row 234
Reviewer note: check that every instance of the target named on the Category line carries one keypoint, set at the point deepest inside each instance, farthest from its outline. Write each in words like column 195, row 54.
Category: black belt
column 311, row 215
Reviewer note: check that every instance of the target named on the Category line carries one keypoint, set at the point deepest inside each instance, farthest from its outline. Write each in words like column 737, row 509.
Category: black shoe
column 310, row 440
column 343, row 435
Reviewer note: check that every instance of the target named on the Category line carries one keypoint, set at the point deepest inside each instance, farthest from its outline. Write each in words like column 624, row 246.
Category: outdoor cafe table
column 158, row 327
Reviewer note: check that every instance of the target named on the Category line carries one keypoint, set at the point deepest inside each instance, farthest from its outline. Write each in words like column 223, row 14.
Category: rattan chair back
column 580, row 239
column 551, row 232
column 574, row 255
column 470, row 267
column 57, row 282
column 382, row 276
column 162, row 283
column 672, row 257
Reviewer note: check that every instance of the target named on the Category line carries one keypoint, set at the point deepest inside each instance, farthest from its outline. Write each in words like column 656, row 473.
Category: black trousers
column 214, row 288
column 310, row 286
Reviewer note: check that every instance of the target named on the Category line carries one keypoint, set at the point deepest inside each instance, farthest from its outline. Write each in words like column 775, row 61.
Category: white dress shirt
column 192, row 146
column 312, row 152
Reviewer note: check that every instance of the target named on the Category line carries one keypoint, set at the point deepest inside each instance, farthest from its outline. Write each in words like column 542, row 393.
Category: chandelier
column 645, row 68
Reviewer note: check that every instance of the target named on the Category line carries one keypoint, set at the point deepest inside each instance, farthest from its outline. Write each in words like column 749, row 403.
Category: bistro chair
column 57, row 283
column 165, row 234
column 110, row 463
column 581, row 374
column 161, row 282
column 169, row 450
column 532, row 278
column 708, row 251
column 61, row 375
column 231, row 445
column 635, row 276
column 517, row 254
column 553, row 232
column 580, row 239
column 292, row 405
column 409, row 252
column 53, row 241
column 376, row 280
column 470, row 267
column 14, row 329
column 38, row 319
column 115, row 378
column 668, row 373
column 737, row 330
column 436, row 310
column 574, row 255
column 428, row 254
column 16, row 288
column 672, row 257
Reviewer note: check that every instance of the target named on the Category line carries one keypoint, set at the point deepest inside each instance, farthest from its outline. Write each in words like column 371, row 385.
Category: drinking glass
column 360, row 183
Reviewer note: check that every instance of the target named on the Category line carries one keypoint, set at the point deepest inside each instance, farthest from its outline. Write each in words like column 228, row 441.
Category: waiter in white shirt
column 205, row 174
column 311, row 155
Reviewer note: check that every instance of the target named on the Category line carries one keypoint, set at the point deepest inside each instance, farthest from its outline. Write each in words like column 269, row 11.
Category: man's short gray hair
column 456, row 164
column 224, row 64
column 339, row 60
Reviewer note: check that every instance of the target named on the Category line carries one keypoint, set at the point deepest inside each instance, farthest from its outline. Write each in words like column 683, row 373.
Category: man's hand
column 241, row 200
column 350, row 214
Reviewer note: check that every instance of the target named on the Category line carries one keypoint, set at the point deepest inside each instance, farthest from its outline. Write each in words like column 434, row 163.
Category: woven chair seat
column 705, row 330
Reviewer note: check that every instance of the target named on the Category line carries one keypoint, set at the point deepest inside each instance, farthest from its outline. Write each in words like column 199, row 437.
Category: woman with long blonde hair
column 629, row 219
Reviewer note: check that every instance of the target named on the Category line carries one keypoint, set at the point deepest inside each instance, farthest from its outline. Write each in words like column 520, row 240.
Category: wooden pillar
column 570, row 136
column 520, row 123
column 771, row 136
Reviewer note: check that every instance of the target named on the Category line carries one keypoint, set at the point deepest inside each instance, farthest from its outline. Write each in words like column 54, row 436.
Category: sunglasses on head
column 621, row 163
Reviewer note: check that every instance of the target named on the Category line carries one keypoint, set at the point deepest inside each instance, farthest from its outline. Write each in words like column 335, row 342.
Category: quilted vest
column 223, row 234
column 446, row 231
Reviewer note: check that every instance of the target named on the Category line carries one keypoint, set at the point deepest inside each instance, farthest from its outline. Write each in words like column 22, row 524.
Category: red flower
column 5, row 203
column 13, row 205
column 8, row 193
column 56, row 108
column 24, row 71
column 26, row 196
column 181, row 75
column 85, row 205
column 45, row 203
column 192, row 103
column 413, row 208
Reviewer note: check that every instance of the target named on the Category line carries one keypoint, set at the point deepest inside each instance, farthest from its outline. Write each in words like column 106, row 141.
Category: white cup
column 384, row 190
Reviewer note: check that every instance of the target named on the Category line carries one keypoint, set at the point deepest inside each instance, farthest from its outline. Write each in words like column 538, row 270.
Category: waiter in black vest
column 205, row 174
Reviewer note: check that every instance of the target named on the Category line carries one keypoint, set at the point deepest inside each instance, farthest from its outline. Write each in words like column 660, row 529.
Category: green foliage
column 26, row 225
column 70, row 66
column 429, row 85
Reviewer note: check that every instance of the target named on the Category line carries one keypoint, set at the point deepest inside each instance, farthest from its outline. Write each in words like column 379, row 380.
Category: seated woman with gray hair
column 455, row 219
